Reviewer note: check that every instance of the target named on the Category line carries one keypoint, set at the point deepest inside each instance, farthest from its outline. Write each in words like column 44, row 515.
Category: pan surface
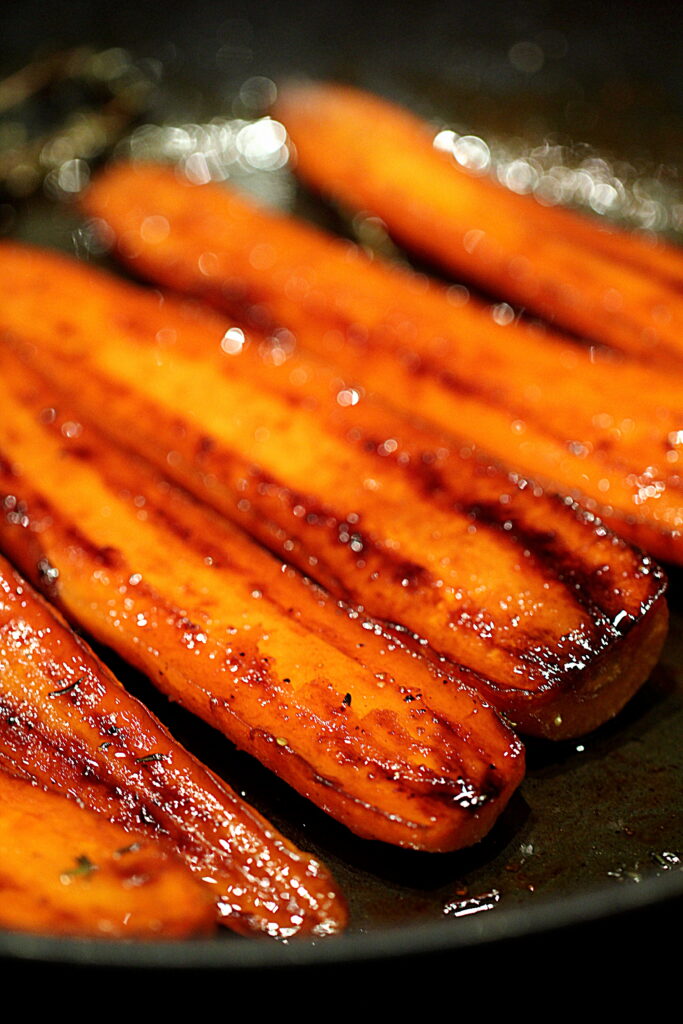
column 592, row 845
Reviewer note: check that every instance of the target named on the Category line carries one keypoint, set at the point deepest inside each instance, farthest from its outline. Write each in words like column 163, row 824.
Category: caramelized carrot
column 598, row 281
column 394, row 748
column 67, row 724
column 606, row 434
column 66, row 871
column 553, row 619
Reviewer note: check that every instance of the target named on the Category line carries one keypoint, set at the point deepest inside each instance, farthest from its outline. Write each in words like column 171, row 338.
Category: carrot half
column 605, row 433
column 551, row 618
column 66, row 871
column 598, row 281
column 68, row 725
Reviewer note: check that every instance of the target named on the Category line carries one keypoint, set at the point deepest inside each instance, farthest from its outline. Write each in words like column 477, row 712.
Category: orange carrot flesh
column 393, row 747
column 593, row 279
column 67, row 724
column 66, row 871
column 606, row 434
column 555, row 621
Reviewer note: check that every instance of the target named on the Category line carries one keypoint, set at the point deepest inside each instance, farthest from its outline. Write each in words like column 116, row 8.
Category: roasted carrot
column 554, row 620
column 590, row 277
column 67, row 871
column 67, row 724
column 606, row 434
column 397, row 749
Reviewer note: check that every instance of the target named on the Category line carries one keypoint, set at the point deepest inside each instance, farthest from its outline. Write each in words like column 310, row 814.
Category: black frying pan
column 588, row 853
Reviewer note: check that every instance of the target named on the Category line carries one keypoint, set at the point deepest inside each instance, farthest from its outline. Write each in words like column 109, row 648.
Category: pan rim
column 549, row 917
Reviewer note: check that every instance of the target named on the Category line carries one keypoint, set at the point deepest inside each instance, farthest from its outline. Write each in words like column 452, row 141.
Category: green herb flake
column 84, row 867
column 67, row 689
column 149, row 758
column 133, row 848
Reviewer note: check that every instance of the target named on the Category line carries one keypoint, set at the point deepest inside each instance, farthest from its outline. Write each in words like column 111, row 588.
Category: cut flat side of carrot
column 69, row 725
column 602, row 432
column 530, row 597
column 67, row 871
column 594, row 279
column 395, row 748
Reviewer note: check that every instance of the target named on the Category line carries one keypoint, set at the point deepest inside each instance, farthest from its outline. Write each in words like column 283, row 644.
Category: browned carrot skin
column 68, row 724
column 67, row 871
column 403, row 338
column 395, row 748
column 556, row 621
column 593, row 279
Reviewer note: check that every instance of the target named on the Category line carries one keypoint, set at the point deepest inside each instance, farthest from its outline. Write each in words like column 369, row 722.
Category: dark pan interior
column 590, row 849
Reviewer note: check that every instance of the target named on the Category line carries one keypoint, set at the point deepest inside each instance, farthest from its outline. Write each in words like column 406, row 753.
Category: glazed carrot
column 69, row 725
column 598, row 281
column 396, row 749
column 66, row 871
column 606, row 434
column 555, row 621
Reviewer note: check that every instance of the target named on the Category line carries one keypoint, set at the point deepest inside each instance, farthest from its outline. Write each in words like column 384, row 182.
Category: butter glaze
column 536, row 603
column 412, row 757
